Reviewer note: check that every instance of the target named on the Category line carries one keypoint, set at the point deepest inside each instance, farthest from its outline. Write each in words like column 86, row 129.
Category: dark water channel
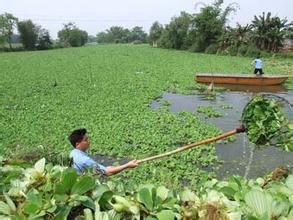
column 239, row 156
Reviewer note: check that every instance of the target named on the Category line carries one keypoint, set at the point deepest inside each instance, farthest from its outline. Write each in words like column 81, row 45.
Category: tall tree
column 155, row 33
column 28, row 34
column 72, row 36
column 7, row 24
column 209, row 24
column 175, row 34
column 268, row 31
column 137, row 34
column 44, row 41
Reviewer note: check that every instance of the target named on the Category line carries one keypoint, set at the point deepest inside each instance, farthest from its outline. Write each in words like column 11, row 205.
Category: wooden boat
column 242, row 79
column 253, row 88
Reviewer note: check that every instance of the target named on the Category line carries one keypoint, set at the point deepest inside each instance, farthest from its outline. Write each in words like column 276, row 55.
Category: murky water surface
column 239, row 156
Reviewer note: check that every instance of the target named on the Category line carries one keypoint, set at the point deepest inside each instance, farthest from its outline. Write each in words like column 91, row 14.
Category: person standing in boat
column 258, row 65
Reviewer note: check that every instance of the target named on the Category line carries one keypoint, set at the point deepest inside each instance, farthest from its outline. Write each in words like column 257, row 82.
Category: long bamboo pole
column 185, row 147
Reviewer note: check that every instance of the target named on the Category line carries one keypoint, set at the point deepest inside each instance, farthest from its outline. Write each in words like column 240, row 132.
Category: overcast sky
column 97, row 15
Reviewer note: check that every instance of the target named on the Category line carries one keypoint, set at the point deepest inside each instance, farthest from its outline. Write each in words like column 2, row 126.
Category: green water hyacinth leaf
column 83, row 185
column 99, row 191
column 289, row 182
column 63, row 213
column 265, row 119
column 88, row 215
column 4, row 208
column 10, row 202
column 166, row 215
column 33, row 203
column 162, row 192
column 145, row 197
column 40, row 165
column 260, row 202
column 280, row 208
column 68, row 179
column 189, row 196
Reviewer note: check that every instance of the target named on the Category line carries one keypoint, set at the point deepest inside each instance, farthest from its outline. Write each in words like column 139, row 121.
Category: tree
column 44, row 41
column 117, row 34
column 175, row 34
column 28, row 34
column 7, row 24
column 155, row 33
column 103, row 37
column 234, row 37
column 209, row 24
column 72, row 36
column 138, row 35
column 268, row 31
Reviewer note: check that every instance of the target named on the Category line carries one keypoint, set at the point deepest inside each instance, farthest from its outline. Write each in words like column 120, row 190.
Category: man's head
column 79, row 139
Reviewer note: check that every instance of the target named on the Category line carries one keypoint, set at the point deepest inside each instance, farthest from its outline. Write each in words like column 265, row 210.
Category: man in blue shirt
column 258, row 65
column 82, row 161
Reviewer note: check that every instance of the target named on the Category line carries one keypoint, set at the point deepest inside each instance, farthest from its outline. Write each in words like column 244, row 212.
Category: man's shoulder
column 77, row 153
column 72, row 153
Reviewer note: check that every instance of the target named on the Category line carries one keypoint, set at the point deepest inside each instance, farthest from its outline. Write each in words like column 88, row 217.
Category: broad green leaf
column 280, row 208
column 40, row 165
column 260, row 202
column 289, row 182
column 166, row 215
column 3, row 217
column 99, row 190
column 31, row 208
column 228, row 191
column 88, row 215
column 83, row 185
column 162, row 192
column 105, row 198
column 89, row 203
column 68, row 179
column 4, row 208
column 144, row 196
column 63, row 213
column 10, row 202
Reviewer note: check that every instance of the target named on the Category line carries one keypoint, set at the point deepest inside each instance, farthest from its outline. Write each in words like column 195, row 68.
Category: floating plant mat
column 266, row 122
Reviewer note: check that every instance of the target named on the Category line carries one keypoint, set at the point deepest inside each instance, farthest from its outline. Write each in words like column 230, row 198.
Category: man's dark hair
column 76, row 136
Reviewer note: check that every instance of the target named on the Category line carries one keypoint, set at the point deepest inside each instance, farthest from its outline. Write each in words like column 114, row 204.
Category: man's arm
column 111, row 170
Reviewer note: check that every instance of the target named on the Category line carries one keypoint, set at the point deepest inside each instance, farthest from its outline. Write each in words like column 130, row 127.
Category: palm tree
column 268, row 31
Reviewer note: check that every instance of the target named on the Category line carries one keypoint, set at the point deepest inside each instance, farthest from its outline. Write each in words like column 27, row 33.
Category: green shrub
column 243, row 49
column 232, row 50
column 252, row 51
column 212, row 49
column 137, row 42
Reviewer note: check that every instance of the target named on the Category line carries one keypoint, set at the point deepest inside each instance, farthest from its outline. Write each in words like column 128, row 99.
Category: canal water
column 239, row 156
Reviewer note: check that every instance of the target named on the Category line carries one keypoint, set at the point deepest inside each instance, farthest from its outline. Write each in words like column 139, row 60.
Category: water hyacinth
column 61, row 193
column 216, row 205
column 265, row 120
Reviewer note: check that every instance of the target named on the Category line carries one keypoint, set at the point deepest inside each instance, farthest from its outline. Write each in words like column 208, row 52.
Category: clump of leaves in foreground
column 54, row 192
column 265, row 120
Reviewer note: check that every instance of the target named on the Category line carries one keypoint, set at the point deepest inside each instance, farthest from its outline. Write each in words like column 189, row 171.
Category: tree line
column 35, row 37
column 206, row 31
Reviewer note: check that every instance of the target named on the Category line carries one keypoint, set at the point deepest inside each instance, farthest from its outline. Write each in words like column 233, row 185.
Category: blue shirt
column 82, row 160
column 258, row 64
